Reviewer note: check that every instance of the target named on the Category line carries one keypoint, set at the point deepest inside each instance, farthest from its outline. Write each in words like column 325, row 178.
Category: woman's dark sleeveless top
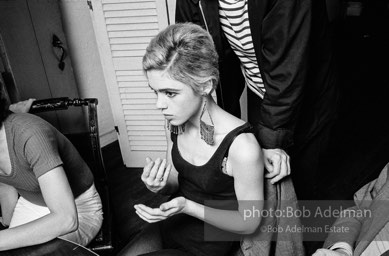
column 207, row 185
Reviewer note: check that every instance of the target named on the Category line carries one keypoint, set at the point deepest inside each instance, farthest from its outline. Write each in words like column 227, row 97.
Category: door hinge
column 117, row 130
column 89, row 2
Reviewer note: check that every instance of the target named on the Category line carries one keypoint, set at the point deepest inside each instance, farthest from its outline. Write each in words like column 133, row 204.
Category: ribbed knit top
column 36, row 147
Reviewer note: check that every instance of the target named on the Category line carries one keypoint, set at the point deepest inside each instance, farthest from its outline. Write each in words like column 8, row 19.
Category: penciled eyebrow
column 165, row 89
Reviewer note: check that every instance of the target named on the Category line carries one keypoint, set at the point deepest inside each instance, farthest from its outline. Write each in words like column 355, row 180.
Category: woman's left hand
column 175, row 206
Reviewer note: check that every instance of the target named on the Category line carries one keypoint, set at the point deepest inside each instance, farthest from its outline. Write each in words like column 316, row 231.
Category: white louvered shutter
column 123, row 30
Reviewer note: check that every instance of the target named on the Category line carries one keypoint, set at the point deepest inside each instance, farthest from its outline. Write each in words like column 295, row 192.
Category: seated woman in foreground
column 46, row 188
column 212, row 158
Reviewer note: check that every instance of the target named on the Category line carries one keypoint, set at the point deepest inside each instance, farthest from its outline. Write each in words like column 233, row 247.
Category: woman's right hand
column 155, row 174
column 21, row 106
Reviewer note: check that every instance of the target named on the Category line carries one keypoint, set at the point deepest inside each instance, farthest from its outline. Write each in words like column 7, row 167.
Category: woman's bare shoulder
column 228, row 122
column 245, row 147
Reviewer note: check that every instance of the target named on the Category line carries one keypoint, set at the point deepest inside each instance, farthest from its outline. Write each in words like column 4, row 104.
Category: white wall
column 86, row 63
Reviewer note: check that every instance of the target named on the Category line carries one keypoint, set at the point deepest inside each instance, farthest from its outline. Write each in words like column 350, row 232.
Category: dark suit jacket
column 293, row 46
column 374, row 196
column 280, row 31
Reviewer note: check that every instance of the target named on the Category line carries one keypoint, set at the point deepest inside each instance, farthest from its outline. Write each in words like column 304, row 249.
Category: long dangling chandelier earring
column 207, row 130
column 180, row 129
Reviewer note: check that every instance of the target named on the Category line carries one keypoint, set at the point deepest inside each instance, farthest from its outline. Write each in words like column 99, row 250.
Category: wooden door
column 27, row 28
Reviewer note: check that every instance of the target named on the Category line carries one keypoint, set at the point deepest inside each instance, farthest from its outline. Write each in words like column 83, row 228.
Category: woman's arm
column 160, row 176
column 61, row 220
column 8, row 200
column 246, row 161
column 172, row 182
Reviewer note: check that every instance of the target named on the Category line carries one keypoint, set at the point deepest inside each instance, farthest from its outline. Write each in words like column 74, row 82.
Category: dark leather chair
column 88, row 145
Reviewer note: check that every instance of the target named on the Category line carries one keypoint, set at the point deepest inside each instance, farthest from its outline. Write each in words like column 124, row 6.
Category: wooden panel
column 138, row 101
column 145, row 122
column 142, row 112
column 143, row 138
column 129, row 26
column 145, row 128
column 130, row 20
column 123, row 47
column 148, row 143
column 139, row 53
column 137, row 96
column 134, row 63
column 147, row 149
column 135, row 90
column 125, row 1
column 145, row 133
column 133, row 84
column 148, row 117
column 131, row 40
column 130, row 13
column 129, row 6
column 130, row 73
column 132, row 79
column 135, row 33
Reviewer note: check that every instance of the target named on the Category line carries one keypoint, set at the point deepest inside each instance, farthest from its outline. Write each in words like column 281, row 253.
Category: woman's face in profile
column 177, row 101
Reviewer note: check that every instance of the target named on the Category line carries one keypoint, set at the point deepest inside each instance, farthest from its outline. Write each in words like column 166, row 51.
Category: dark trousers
column 310, row 161
column 310, row 164
column 309, row 157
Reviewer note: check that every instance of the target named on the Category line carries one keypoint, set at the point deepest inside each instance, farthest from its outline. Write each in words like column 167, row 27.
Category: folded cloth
column 279, row 196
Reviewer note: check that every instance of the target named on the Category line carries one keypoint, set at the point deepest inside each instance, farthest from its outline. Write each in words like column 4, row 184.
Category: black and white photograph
column 194, row 127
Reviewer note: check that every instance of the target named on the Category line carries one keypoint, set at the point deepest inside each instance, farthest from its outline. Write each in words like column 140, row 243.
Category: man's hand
column 21, row 106
column 327, row 252
column 277, row 164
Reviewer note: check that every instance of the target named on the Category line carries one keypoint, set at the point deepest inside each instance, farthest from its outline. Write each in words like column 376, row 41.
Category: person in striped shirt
column 282, row 52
